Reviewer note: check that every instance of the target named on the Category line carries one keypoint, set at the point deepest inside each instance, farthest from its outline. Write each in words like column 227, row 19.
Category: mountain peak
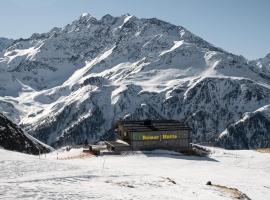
column 83, row 20
column 85, row 15
column 127, row 15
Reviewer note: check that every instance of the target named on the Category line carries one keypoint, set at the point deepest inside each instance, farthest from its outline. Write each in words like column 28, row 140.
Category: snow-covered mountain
column 263, row 64
column 75, row 82
column 13, row 138
column 252, row 131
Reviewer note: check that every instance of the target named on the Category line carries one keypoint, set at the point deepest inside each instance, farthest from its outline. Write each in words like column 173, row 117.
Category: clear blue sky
column 239, row 26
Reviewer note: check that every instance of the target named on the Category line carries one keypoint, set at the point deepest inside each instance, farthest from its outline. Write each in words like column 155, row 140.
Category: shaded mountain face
column 263, row 64
column 251, row 132
column 14, row 139
column 74, row 83
column 4, row 43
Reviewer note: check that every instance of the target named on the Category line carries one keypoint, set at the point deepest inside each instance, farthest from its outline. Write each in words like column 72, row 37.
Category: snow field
column 156, row 175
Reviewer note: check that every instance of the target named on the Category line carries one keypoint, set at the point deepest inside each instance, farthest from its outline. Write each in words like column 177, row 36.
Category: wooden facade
column 155, row 134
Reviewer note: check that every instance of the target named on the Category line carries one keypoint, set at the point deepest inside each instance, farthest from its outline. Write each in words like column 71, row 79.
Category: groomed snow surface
column 155, row 175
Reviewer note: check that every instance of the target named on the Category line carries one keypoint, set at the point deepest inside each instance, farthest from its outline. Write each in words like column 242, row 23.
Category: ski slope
column 155, row 175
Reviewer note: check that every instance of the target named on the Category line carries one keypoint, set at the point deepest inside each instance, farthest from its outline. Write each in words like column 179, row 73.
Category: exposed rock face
column 14, row 139
column 74, row 83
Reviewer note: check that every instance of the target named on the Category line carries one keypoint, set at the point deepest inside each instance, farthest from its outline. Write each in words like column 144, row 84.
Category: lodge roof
column 153, row 125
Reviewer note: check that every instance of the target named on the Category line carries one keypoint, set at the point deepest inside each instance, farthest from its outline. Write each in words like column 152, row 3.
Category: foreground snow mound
column 13, row 138
column 233, row 174
column 74, row 83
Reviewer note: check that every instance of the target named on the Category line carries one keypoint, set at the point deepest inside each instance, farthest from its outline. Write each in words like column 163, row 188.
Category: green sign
column 145, row 136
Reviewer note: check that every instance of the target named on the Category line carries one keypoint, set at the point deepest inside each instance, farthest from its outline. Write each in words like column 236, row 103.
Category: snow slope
column 74, row 83
column 134, row 176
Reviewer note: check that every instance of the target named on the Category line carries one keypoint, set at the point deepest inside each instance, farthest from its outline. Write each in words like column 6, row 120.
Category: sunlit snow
column 155, row 175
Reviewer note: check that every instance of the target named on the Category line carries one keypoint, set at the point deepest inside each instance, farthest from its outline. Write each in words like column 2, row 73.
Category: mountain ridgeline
column 74, row 83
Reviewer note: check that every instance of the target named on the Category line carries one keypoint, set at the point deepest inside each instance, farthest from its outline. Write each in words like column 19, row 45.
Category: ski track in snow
column 133, row 176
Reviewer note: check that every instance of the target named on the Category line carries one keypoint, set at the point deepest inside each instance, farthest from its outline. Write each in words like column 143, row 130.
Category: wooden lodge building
column 150, row 135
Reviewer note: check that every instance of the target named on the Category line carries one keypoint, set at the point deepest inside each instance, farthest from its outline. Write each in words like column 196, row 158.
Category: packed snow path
column 159, row 175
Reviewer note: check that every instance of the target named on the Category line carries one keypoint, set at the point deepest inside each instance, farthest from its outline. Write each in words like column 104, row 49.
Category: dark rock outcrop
column 14, row 139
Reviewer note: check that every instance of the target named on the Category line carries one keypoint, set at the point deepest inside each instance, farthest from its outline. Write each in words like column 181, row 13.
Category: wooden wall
column 161, row 140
